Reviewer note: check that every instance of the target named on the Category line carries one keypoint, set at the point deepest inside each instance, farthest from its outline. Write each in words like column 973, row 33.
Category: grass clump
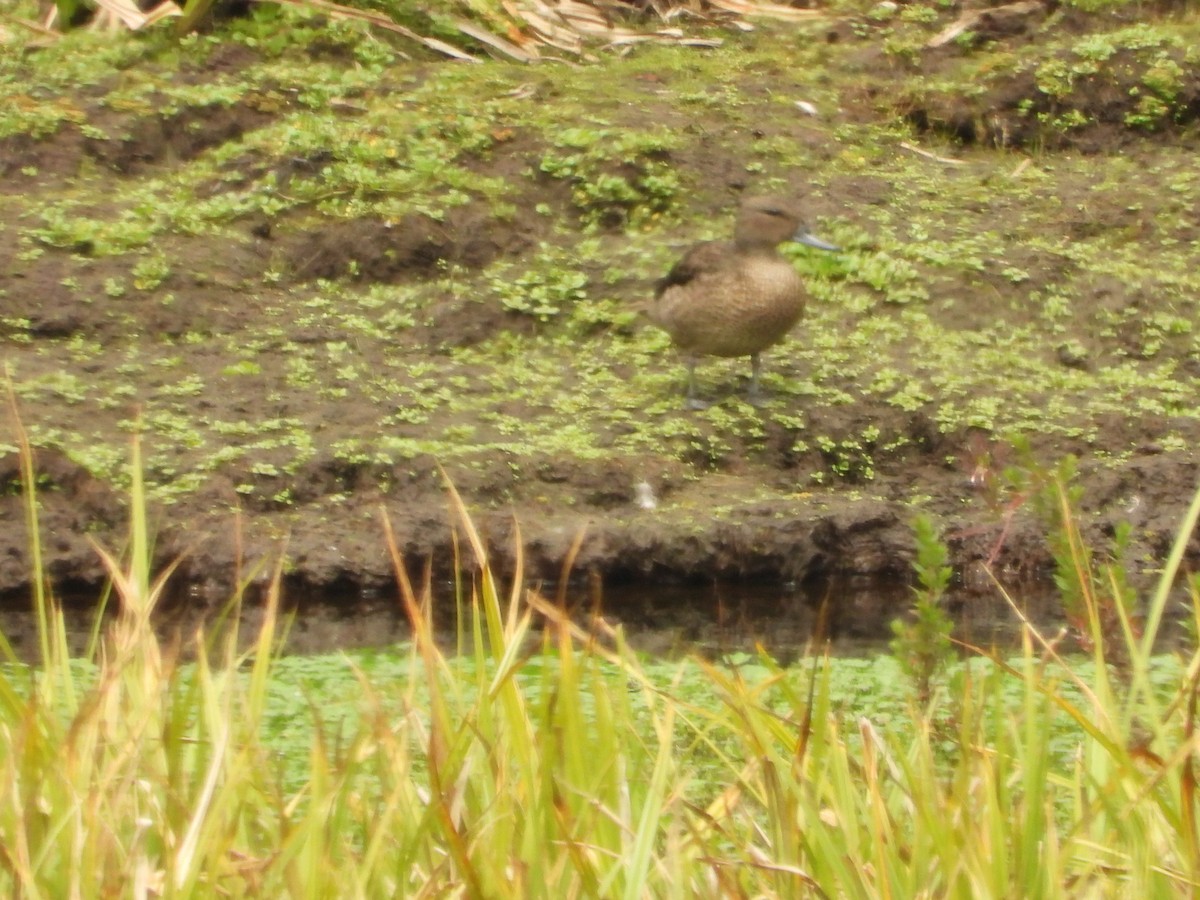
column 922, row 645
column 559, row 766
column 641, row 188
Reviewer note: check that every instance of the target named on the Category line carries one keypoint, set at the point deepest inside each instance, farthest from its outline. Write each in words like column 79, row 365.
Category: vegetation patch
column 284, row 249
column 1084, row 91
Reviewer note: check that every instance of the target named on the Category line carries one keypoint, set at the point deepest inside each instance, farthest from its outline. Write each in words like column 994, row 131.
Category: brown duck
column 739, row 297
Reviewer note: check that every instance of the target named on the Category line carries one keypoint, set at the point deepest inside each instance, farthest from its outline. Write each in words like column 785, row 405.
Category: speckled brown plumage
column 739, row 297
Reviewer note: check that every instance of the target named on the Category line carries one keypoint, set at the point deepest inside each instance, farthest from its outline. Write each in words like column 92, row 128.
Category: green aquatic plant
column 922, row 644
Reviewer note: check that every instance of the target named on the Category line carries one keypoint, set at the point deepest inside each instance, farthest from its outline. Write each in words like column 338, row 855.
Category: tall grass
column 557, row 767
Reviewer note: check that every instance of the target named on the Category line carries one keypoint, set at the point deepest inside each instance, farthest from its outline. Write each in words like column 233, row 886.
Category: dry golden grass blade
column 582, row 20
column 518, row 580
column 459, row 506
column 769, row 10
column 434, row 44
column 563, row 25
column 502, row 45
column 972, row 17
column 954, row 29
column 564, row 575
column 1021, row 167
column 668, row 10
column 114, row 13
column 47, row 33
column 192, row 839
column 541, row 20
column 944, row 160
column 583, row 15
column 336, row 10
column 663, row 36
column 608, row 33
column 165, row 10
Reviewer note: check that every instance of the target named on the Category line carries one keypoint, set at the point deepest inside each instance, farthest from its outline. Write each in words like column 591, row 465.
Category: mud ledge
column 337, row 549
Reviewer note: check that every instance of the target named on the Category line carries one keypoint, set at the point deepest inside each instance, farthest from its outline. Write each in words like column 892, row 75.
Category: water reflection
column 851, row 616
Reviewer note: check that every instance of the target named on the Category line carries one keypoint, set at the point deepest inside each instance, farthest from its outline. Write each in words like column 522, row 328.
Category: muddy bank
column 700, row 533
column 309, row 278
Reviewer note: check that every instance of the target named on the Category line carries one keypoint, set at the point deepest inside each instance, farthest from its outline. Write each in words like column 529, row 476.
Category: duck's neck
column 751, row 247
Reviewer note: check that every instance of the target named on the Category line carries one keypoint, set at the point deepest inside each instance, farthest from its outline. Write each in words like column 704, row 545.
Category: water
column 850, row 616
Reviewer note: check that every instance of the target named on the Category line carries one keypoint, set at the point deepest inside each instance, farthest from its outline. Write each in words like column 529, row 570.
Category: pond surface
column 660, row 619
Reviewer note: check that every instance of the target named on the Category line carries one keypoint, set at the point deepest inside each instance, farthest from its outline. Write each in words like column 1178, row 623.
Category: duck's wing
column 703, row 259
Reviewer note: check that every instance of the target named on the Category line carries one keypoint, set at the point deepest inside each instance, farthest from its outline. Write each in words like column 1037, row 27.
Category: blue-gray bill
column 811, row 240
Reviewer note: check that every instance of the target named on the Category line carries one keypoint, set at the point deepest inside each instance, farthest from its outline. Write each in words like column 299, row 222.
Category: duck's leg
column 754, row 395
column 691, row 401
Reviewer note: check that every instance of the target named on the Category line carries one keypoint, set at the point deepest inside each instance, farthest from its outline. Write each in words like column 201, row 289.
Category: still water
column 849, row 616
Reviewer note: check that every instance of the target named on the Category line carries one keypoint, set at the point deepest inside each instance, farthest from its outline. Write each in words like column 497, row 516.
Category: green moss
column 966, row 294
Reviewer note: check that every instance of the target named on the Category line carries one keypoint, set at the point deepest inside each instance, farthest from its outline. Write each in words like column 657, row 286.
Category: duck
column 736, row 297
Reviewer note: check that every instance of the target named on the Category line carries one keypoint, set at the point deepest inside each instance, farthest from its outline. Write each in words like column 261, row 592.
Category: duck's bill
column 803, row 237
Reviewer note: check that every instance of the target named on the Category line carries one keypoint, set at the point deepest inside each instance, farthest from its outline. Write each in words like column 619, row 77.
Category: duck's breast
column 737, row 310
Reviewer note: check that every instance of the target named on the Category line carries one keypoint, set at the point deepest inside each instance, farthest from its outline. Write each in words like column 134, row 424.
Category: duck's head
column 769, row 221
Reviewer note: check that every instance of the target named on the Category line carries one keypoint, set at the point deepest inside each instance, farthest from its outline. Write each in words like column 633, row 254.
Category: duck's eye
column 774, row 211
